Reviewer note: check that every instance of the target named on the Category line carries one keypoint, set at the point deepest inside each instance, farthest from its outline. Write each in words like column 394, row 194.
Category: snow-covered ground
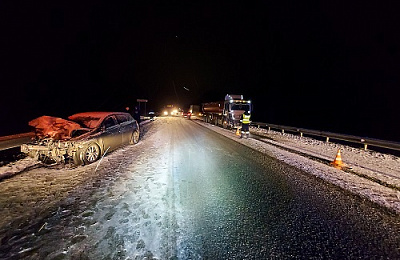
column 88, row 207
column 373, row 175
column 16, row 167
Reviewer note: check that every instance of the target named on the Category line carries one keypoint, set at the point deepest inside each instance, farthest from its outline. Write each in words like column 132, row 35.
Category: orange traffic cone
column 338, row 160
column 238, row 132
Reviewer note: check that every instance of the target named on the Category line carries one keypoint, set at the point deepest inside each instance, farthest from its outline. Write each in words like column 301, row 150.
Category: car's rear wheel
column 135, row 137
column 91, row 154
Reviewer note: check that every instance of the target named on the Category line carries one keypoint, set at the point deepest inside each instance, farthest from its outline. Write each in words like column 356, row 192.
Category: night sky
column 328, row 65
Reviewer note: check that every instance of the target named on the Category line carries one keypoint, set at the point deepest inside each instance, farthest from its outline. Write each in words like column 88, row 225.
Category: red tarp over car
column 89, row 119
column 53, row 127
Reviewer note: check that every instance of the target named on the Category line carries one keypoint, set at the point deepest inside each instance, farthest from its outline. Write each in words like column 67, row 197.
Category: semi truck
column 226, row 113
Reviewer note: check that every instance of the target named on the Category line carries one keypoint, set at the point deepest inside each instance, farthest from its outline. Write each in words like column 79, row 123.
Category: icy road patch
column 370, row 168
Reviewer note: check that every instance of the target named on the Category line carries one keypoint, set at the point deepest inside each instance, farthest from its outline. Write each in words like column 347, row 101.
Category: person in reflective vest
column 245, row 119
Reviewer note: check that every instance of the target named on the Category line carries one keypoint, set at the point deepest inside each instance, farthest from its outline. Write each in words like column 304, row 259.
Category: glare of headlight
column 175, row 111
column 165, row 113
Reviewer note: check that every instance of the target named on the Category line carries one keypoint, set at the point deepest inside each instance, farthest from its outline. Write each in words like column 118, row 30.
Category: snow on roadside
column 378, row 165
column 17, row 167
column 89, row 207
column 375, row 165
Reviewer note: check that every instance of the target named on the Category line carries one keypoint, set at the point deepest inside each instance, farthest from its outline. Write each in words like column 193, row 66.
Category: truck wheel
column 91, row 154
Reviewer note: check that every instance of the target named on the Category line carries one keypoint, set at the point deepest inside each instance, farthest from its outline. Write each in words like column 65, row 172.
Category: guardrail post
column 283, row 131
column 269, row 128
column 301, row 134
column 327, row 139
column 365, row 147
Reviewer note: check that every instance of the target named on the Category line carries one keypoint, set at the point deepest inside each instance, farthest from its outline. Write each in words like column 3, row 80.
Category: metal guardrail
column 12, row 141
column 365, row 141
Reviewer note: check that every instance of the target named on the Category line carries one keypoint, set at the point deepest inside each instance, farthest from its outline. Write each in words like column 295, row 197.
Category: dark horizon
column 326, row 66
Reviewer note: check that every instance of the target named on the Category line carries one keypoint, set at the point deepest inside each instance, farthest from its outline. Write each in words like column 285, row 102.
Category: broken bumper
column 55, row 152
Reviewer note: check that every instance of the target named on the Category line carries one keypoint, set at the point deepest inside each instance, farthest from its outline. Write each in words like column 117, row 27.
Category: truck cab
column 234, row 107
column 226, row 113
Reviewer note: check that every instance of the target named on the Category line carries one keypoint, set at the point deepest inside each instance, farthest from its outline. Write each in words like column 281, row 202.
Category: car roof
column 97, row 117
column 96, row 114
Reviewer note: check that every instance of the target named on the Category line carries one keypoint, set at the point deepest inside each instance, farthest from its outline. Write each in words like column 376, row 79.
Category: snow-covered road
column 374, row 175
column 185, row 192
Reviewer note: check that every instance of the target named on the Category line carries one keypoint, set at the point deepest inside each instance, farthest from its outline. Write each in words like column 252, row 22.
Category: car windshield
column 241, row 107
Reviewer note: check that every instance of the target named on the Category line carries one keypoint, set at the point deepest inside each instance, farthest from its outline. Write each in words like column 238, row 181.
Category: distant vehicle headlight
column 165, row 113
column 175, row 112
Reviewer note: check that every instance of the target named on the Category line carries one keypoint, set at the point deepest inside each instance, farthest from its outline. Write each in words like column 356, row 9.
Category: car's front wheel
column 91, row 154
column 135, row 137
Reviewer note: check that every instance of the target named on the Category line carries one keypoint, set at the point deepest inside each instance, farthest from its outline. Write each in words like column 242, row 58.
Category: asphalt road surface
column 186, row 192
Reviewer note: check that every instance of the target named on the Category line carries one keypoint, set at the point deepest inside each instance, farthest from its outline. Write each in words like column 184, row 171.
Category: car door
column 111, row 136
column 125, row 127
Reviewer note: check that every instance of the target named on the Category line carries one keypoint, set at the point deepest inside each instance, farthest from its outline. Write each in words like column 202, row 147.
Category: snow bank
column 17, row 167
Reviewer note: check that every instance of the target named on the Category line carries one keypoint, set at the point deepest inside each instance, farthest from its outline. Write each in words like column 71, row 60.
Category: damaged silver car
column 82, row 139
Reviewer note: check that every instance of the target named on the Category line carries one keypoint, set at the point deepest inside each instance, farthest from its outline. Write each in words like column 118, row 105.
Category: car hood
column 53, row 127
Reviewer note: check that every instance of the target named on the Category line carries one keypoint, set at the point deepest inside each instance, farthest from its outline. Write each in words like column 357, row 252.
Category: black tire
column 77, row 160
column 91, row 153
column 135, row 137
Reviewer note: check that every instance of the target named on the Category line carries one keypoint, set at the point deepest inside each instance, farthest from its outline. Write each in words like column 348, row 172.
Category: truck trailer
column 226, row 113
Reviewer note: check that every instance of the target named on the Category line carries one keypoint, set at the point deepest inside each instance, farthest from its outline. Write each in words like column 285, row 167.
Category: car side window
column 129, row 117
column 109, row 122
column 121, row 118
